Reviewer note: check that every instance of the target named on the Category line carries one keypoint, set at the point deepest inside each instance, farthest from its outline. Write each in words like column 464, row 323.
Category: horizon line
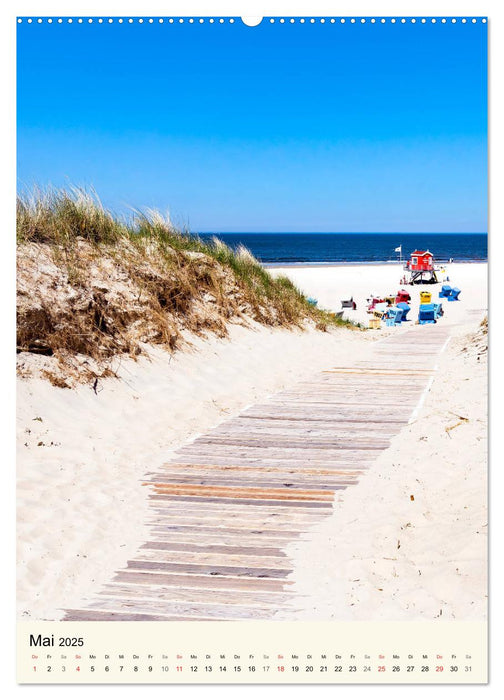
column 347, row 233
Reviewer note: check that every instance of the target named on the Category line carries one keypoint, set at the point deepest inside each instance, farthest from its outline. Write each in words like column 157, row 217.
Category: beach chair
column 445, row 291
column 438, row 310
column 372, row 303
column 348, row 303
column 426, row 314
column 312, row 301
column 393, row 317
column 379, row 309
column 402, row 297
column 339, row 314
column 405, row 310
column 454, row 294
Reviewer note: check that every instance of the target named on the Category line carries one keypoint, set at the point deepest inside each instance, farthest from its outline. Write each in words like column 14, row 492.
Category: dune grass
column 154, row 280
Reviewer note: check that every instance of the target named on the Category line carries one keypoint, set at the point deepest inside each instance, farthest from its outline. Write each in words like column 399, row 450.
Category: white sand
column 82, row 508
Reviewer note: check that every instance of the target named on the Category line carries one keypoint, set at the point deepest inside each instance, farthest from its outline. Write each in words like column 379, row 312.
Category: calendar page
column 252, row 337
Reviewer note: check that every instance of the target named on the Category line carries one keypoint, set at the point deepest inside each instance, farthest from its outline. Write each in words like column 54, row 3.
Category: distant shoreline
column 343, row 263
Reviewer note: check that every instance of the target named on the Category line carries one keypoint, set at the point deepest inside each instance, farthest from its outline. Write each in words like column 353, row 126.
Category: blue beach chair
column 405, row 310
column 445, row 291
column 312, row 301
column 454, row 294
column 438, row 310
column 393, row 317
column 426, row 314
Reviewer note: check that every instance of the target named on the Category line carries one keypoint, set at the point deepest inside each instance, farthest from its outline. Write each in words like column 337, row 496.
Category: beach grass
column 95, row 284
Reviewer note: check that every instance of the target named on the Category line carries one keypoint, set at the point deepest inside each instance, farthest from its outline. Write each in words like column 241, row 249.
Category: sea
column 276, row 249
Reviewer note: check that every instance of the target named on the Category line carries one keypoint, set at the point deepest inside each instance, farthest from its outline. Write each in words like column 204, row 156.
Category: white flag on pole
column 398, row 250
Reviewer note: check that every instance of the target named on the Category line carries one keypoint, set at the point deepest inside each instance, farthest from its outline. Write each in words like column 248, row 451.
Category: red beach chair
column 403, row 296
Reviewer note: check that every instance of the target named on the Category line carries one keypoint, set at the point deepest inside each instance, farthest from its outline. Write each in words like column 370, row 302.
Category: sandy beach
column 83, row 454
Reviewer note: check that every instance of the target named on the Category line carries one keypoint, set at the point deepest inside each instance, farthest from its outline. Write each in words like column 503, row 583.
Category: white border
column 221, row 8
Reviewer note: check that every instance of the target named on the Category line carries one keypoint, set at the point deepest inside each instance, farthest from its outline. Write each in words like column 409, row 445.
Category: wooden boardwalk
column 223, row 510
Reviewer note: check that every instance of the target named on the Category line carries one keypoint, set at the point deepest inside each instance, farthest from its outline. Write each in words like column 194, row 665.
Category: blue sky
column 303, row 127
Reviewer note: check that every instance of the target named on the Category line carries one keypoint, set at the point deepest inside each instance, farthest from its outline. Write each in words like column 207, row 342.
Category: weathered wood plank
column 291, row 416
column 280, row 530
column 176, row 593
column 207, row 582
column 174, row 510
column 214, row 549
column 208, row 513
column 241, row 492
column 265, row 539
column 258, row 469
column 346, row 460
column 209, row 569
column 309, row 443
column 248, row 501
column 208, row 610
column 274, row 452
column 299, row 431
column 292, row 483
column 87, row 615
column 212, row 559
column 306, row 472
column 245, row 477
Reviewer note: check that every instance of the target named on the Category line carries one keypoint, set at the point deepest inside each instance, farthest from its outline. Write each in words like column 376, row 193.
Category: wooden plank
column 295, row 516
column 203, row 529
column 209, row 569
column 307, row 472
column 244, row 477
column 207, row 582
column 292, row 484
column 188, row 610
column 309, row 443
column 212, row 559
column 264, row 539
column 346, row 460
column 297, row 430
column 264, row 414
column 87, row 615
column 176, row 593
column 242, row 524
column 213, row 549
column 249, row 501
column 263, row 542
column 174, row 511
column 338, row 452
column 250, row 492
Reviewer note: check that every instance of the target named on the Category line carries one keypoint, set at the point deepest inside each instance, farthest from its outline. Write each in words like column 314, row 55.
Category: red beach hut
column 421, row 260
column 421, row 267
